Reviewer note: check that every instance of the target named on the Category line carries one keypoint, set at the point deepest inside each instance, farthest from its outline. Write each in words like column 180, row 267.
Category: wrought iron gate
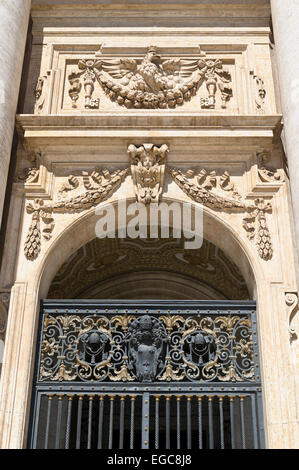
column 156, row 375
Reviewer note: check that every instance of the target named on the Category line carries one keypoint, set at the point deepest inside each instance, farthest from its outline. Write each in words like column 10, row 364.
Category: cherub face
column 147, row 161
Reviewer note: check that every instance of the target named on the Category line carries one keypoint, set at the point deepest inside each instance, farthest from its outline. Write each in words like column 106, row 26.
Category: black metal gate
column 138, row 375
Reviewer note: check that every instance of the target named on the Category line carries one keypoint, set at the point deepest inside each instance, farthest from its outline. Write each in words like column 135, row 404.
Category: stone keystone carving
column 148, row 169
column 152, row 82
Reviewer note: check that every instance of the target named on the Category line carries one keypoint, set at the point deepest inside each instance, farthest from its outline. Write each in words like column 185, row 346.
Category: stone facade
column 121, row 105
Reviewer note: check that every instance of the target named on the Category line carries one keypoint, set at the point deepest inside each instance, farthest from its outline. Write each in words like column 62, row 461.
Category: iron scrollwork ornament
column 147, row 348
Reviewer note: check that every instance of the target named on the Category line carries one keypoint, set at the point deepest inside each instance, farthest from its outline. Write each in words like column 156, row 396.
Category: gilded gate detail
column 192, row 346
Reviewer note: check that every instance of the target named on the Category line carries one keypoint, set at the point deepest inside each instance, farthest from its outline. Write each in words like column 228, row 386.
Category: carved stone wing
column 119, row 68
column 184, row 67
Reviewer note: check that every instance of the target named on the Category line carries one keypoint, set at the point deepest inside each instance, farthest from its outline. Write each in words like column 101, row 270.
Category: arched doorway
column 166, row 362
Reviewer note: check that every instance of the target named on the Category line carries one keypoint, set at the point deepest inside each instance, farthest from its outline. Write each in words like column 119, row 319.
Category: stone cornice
column 208, row 12
column 167, row 120
column 66, row 129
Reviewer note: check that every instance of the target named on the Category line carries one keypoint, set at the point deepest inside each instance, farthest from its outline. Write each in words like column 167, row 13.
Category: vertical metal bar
column 110, row 443
column 178, row 421
column 121, row 422
column 211, row 430
column 243, row 436
column 89, row 421
column 100, row 428
column 50, row 398
column 68, row 423
column 254, row 424
column 132, row 421
column 199, row 398
column 79, row 418
column 157, row 400
column 36, row 420
column 260, row 420
column 189, row 422
column 58, row 422
column 167, row 421
column 221, row 422
column 232, row 427
column 145, row 421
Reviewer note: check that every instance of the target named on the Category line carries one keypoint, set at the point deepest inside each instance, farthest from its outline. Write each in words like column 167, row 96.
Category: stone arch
column 26, row 296
column 215, row 230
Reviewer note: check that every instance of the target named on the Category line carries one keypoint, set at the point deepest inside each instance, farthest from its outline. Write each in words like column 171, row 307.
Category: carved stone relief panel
column 211, row 188
column 119, row 73
column 145, row 77
column 151, row 81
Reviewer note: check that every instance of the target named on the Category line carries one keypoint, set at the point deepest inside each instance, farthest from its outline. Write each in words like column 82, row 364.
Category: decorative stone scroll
column 30, row 174
column 291, row 299
column 151, row 82
column 148, row 168
column 147, row 348
column 266, row 173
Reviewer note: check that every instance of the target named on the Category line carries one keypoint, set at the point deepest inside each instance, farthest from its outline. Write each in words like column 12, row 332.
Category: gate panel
column 177, row 375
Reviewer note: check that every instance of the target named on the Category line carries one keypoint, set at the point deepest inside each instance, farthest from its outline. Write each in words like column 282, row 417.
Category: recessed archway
column 148, row 269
